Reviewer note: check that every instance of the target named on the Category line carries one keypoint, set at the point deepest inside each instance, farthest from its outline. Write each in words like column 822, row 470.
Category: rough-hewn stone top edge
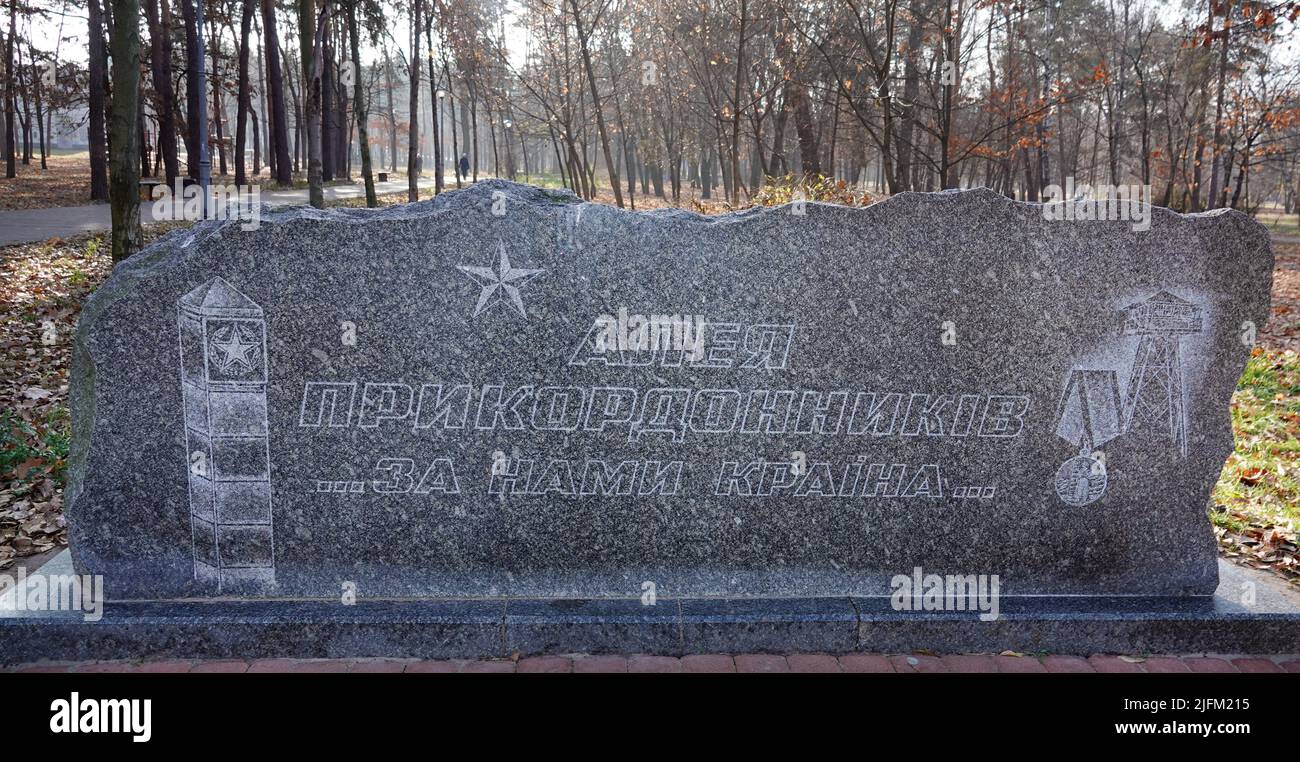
column 171, row 247
column 482, row 192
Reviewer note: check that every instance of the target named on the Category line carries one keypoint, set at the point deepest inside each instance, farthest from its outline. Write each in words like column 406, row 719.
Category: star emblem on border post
column 500, row 284
column 234, row 349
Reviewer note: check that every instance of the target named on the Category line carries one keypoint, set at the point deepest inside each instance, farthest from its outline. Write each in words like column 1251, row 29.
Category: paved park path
column 798, row 662
column 28, row 225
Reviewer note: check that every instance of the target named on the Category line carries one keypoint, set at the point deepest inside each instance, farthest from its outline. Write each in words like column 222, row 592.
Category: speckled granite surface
column 432, row 401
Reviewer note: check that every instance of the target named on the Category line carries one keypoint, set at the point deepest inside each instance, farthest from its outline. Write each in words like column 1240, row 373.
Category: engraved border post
column 223, row 381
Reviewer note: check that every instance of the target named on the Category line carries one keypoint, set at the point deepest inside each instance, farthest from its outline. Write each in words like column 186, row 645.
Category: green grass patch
column 1260, row 484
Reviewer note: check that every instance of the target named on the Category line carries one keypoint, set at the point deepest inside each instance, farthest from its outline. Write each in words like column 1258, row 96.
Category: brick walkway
column 708, row 663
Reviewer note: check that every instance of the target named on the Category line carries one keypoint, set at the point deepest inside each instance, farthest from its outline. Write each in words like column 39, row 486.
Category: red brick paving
column 1208, row 664
column 865, row 663
column 103, row 666
column 1019, row 664
column 226, row 665
column 493, row 666
column 379, row 665
column 1255, row 665
column 544, row 664
column 812, row 663
column 917, row 663
column 1061, row 664
column 600, row 664
column 970, row 663
column 1164, row 664
column 643, row 663
column 436, row 667
column 761, row 663
column 708, row 663
column 702, row 663
column 167, row 665
column 1113, row 664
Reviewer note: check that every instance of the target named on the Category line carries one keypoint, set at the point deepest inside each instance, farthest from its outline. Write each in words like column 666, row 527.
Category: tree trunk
column 392, row 115
column 11, row 142
column 160, row 50
column 297, row 114
column 125, row 182
column 261, row 127
column 329, row 128
column 278, row 122
column 193, row 89
column 359, row 106
column 27, row 112
column 610, row 166
column 1218, row 178
column 343, row 133
column 950, row 38
column 257, row 142
column 472, row 139
column 245, row 92
column 218, row 113
column 451, row 119
column 413, row 114
column 310, row 29
column 40, row 112
column 736, row 105
column 98, row 95
column 809, row 151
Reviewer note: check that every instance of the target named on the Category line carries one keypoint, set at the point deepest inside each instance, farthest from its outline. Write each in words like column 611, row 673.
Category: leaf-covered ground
column 65, row 182
column 42, row 287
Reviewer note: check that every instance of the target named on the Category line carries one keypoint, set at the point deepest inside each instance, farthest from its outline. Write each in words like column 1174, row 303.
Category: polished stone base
column 1228, row 622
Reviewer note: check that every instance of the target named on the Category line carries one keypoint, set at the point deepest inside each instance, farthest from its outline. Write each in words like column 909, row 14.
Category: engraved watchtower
column 1156, row 402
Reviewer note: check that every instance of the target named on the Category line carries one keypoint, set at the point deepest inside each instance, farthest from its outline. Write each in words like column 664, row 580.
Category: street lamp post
column 442, row 128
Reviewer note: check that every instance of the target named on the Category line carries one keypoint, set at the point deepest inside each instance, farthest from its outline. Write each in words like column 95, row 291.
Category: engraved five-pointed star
column 500, row 283
column 235, row 352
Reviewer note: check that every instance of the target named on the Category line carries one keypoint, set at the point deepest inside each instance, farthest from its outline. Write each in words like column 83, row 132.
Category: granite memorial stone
column 506, row 392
